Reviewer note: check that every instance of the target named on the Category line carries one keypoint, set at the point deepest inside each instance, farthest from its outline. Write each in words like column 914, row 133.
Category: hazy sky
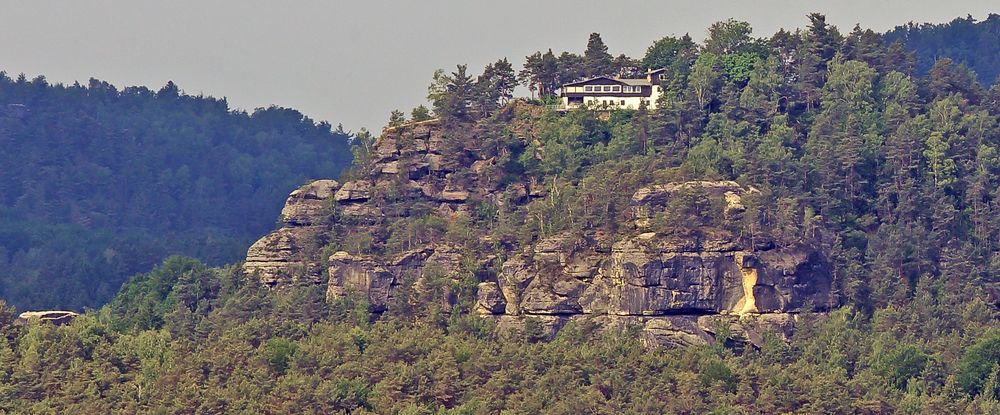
column 353, row 62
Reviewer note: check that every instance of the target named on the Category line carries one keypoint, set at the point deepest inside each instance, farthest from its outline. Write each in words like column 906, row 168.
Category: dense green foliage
column 974, row 44
column 99, row 184
column 895, row 174
column 238, row 348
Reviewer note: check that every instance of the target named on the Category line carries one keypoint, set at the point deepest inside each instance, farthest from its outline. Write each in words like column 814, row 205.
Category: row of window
column 612, row 88
column 616, row 102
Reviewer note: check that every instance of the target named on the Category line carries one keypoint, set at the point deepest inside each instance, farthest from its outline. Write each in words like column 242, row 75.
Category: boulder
column 421, row 131
column 648, row 201
column 359, row 274
column 363, row 211
column 660, row 194
column 56, row 317
column 305, row 205
column 751, row 329
column 452, row 193
column 278, row 257
column 546, row 325
column 489, row 299
column 385, row 148
column 391, row 167
column 992, row 290
column 435, row 142
column 354, row 191
column 674, row 331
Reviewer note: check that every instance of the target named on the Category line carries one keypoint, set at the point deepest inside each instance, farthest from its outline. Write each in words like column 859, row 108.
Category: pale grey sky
column 353, row 62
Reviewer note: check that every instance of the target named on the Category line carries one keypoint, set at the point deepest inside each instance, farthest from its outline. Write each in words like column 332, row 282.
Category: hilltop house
column 613, row 92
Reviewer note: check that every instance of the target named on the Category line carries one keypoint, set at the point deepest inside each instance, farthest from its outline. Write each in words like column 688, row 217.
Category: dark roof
column 633, row 82
column 619, row 81
column 639, row 82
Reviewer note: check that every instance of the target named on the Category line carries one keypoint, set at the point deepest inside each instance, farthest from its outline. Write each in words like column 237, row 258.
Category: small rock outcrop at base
column 56, row 317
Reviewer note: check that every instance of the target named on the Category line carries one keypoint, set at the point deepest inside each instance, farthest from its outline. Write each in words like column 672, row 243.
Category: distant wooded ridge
column 99, row 183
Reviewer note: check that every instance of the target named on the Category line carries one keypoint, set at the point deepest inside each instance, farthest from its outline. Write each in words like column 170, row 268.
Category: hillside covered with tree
column 99, row 183
column 893, row 174
column 976, row 44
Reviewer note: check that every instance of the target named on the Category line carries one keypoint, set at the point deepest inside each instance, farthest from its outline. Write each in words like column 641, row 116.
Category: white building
column 613, row 92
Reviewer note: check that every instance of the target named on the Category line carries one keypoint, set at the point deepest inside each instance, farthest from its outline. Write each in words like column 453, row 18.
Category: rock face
column 362, row 274
column 305, row 205
column 281, row 256
column 992, row 290
column 653, row 275
column 679, row 287
column 55, row 317
column 648, row 200
column 378, row 280
column 664, row 284
column 356, row 191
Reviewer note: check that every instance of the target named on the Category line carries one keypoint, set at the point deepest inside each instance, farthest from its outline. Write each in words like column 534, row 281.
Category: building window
column 588, row 88
column 616, row 88
column 623, row 102
column 607, row 88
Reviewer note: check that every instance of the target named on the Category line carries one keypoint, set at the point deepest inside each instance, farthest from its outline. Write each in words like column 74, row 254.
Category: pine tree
column 541, row 74
column 865, row 46
column 396, row 118
column 420, row 113
column 597, row 60
column 820, row 44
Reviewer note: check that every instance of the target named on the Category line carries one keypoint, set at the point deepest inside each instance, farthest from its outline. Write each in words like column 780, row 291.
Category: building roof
column 593, row 79
column 634, row 82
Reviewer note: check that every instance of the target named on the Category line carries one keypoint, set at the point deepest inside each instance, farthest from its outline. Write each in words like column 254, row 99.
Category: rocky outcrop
column 306, row 205
column 650, row 200
column 55, row 317
column 656, row 275
column 361, row 274
column 377, row 279
column 356, row 191
column 279, row 257
column 282, row 256
column 667, row 285
column 992, row 291
column 489, row 299
column 679, row 287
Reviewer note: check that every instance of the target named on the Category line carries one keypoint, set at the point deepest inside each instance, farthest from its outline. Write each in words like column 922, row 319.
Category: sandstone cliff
column 678, row 286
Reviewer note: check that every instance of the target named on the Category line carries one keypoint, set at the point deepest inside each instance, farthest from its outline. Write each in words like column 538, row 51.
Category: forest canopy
column 976, row 44
column 100, row 183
